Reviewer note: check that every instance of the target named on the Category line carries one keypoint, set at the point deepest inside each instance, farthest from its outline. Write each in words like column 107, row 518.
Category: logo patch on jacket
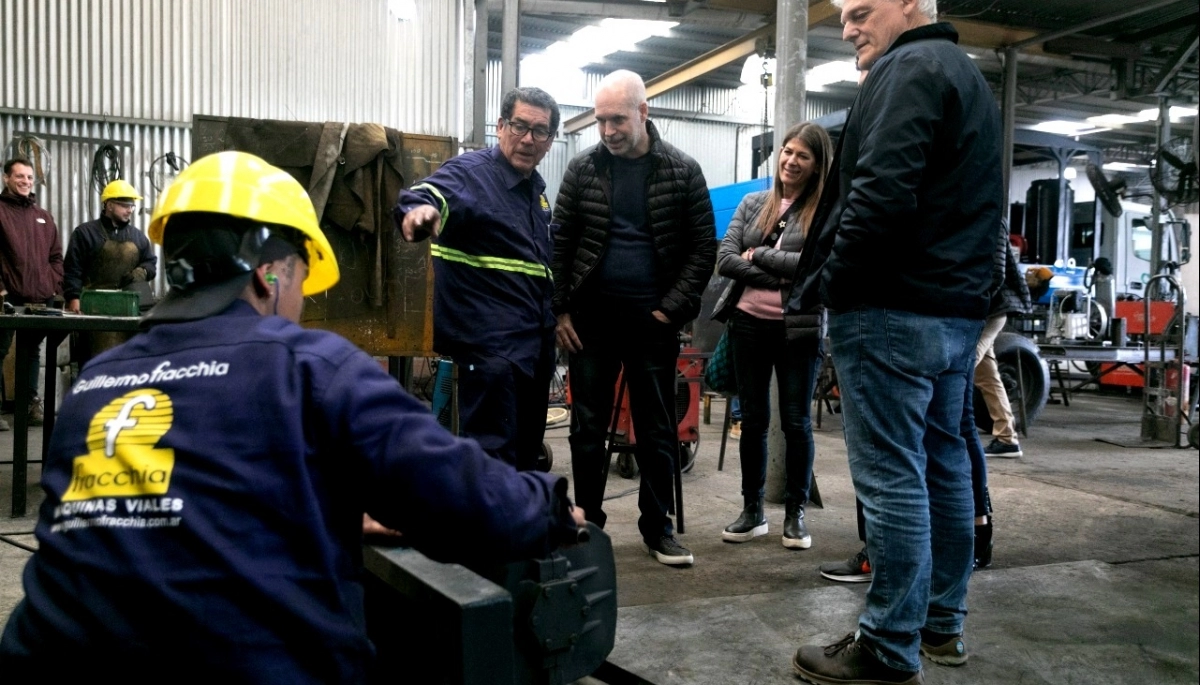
column 122, row 460
column 545, row 203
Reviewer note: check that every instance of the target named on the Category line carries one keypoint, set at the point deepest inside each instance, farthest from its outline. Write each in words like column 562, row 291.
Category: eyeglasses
column 540, row 135
column 124, row 203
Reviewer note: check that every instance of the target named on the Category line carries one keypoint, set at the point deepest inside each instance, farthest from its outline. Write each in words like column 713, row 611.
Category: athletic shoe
column 947, row 650
column 856, row 570
column 667, row 550
column 1003, row 450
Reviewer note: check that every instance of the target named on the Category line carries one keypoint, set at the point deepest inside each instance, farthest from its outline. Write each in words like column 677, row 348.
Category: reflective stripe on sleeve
column 444, row 209
column 481, row 262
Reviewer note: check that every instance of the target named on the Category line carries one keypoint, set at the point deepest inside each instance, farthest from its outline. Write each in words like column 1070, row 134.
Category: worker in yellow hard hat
column 109, row 253
column 213, row 474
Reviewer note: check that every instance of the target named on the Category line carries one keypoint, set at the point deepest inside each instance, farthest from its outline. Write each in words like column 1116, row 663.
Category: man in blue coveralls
column 488, row 213
column 207, row 480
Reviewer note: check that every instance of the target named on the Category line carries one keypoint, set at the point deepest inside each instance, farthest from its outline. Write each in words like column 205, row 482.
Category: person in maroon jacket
column 31, row 260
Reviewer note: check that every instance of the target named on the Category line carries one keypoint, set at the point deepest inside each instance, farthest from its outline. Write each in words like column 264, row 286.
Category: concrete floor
column 1096, row 575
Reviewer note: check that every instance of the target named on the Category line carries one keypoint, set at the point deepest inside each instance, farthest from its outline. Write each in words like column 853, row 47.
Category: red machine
column 689, row 375
column 1134, row 313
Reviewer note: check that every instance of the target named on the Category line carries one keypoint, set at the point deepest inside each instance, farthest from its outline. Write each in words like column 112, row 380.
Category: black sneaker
column 947, row 650
column 668, row 551
column 1003, row 450
column 856, row 570
column 847, row 662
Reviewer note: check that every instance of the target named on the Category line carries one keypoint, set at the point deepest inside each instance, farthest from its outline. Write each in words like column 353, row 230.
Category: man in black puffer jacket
column 634, row 249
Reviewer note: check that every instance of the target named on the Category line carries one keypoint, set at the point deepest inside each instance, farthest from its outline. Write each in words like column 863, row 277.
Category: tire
column 1010, row 347
column 626, row 465
column 687, row 455
column 545, row 460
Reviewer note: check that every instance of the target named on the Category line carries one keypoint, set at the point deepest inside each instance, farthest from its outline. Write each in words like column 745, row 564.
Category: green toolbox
column 109, row 303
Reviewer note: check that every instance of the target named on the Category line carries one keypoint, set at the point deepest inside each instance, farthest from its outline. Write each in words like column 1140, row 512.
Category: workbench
column 1107, row 359
column 30, row 329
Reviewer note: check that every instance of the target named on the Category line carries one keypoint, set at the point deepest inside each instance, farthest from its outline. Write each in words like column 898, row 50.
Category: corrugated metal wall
column 81, row 73
column 67, row 191
column 165, row 60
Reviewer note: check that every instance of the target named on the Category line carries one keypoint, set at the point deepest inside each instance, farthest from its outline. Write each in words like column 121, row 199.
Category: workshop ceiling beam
column 712, row 60
column 731, row 17
column 1182, row 54
column 1140, row 8
column 1094, row 47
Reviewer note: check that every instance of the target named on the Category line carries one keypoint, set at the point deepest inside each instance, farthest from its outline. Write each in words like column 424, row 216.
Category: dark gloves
column 138, row 274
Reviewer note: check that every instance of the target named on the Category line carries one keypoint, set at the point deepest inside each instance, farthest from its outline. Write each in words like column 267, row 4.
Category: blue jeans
column 903, row 378
column 758, row 346
column 613, row 338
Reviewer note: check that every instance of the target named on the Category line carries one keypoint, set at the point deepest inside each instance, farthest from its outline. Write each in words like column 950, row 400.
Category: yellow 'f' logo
column 122, row 460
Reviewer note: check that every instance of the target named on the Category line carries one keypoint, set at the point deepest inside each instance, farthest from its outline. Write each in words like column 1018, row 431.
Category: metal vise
column 544, row 621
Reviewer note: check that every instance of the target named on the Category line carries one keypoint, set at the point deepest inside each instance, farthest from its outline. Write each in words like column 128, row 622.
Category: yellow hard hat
column 245, row 186
column 119, row 190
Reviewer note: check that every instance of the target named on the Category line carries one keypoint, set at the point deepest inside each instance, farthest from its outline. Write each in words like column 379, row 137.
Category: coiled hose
column 106, row 167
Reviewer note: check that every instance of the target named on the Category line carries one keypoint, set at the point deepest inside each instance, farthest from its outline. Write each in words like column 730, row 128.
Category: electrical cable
column 164, row 168
column 106, row 167
column 32, row 148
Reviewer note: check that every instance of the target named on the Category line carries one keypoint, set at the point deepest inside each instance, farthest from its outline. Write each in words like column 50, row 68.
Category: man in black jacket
column 634, row 249
column 903, row 263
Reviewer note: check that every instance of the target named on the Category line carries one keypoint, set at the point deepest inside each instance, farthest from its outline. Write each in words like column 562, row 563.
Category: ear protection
column 271, row 278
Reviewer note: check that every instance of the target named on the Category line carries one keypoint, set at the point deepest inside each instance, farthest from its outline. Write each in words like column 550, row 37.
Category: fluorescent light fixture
column 560, row 64
column 404, row 10
column 831, row 72
column 1114, row 120
column 1124, row 166
column 1068, row 128
column 814, row 79
column 1177, row 113
column 591, row 44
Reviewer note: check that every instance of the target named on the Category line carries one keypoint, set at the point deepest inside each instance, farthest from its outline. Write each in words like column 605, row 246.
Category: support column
column 1156, row 223
column 476, row 85
column 510, row 46
column 1008, row 120
column 791, row 60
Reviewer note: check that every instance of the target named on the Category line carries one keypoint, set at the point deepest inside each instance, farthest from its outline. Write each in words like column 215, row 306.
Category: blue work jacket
column 205, row 488
column 491, row 259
